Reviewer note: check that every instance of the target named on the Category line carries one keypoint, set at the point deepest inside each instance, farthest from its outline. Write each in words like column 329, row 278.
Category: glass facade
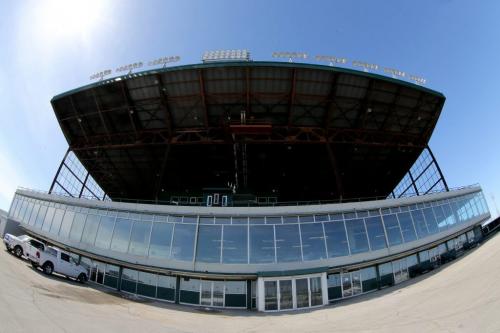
column 253, row 239
column 260, row 240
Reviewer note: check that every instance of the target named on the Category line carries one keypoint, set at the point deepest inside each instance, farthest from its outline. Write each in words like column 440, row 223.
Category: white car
column 22, row 245
column 55, row 260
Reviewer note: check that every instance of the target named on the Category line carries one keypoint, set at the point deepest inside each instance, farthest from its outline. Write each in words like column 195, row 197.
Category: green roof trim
column 294, row 272
column 249, row 64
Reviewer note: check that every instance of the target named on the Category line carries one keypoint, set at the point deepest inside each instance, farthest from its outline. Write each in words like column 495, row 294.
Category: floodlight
column 225, row 55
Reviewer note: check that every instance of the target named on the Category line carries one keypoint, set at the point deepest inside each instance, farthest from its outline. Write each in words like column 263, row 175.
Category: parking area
column 463, row 296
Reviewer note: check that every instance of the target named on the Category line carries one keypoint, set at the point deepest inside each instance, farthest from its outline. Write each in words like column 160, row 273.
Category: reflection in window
column 357, row 236
column 121, row 235
column 376, row 233
column 392, row 229
column 336, row 239
column 105, row 232
column 407, row 228
column 209, row 243
column 261, row 244
column 288, row 243
column 161, row 236
column 90, row 230
column 48, row 218
column 313, row 241
column 56, row 221
column 66, row 224
column 183, row 244
column 139, row 238
column 418, row 220
column 40, row 217
column 431, row 220
column 235, row 245
column 77, row 227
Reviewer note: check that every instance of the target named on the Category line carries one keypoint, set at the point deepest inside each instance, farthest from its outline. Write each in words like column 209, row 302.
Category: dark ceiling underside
column 308, row 132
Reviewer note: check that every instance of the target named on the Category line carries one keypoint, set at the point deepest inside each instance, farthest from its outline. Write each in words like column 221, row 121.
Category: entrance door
column 206, row 293
column 286, row 297
column 218, row 293
column 291, row 293
column 346, row 285
column 302, row 293
column 400, row 269
column 271, row 295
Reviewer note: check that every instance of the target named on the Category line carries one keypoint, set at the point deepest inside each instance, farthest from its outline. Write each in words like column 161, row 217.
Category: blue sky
column 48, row 47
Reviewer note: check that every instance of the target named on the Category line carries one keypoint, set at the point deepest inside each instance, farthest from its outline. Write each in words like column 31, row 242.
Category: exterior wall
column 383, row 243
column 367, row 231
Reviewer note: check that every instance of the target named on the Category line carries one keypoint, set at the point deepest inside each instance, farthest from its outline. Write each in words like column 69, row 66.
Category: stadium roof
column 298, row 130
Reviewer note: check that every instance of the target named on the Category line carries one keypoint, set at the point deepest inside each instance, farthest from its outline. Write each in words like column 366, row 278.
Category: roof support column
column 338, row 178
column 438, row 168
column 59, row 170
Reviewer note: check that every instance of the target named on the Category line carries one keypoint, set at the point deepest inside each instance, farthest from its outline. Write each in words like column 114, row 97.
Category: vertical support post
column 249, row 294
column 83, row 185
column 120, row 273
column 58, row 171
column 177, row 289
column 377, row 271
column 413, row 182
column 338, row 179
column 438, row 168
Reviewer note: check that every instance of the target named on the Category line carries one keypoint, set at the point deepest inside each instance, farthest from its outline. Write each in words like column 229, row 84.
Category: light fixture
column 226, row 55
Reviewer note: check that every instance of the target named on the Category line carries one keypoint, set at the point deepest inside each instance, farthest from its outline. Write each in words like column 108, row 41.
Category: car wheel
column 48, row 268
column 18, row 251
column 82, row 278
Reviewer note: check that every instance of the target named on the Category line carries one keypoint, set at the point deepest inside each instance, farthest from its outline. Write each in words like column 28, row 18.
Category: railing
column 253, row 203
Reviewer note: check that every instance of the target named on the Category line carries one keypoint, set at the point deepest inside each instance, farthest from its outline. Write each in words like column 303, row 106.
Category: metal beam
column 59, row 170
column 203, row 97
column 292, row 96
column 335, row 167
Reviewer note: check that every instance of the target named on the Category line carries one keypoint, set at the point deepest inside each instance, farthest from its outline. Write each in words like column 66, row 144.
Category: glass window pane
column 261, row 244
column 288, row 243
column 77, row 227
column 313, row 241
column 40, row 217
column 121, row 235
column 208, row 248
column 376, row 233
column 48, row 218
column 105, row 232
column 440, row 218
column 90, row 230
column 418, row 220
column 392, row 229
column 270, row 295
column 139, row 238
column 66, row 224
column 407, row 228
column 336, row 239
column 34, row 214
column 161, row 236
column 316, row 291
column 431, row 221
column 302, row 292
column 146, row 284
column 356, row 233
column 56, row 221
column 183, row 244
column 235, row 245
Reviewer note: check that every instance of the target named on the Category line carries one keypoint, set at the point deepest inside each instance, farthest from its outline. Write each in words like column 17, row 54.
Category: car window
column 23, row 238
column 51, row 251
column 36, row 244
column 65, row 257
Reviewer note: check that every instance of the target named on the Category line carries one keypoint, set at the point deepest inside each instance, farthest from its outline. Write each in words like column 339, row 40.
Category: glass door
column 206, row 293
column 346, row 285
column 285, row 295
column 271, row 295
column 316, row 291
column 302, row 292
column 356, row 283
column 218, row 293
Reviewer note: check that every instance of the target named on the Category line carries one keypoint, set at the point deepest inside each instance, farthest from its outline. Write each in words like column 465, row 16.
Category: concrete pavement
column 463, row 296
